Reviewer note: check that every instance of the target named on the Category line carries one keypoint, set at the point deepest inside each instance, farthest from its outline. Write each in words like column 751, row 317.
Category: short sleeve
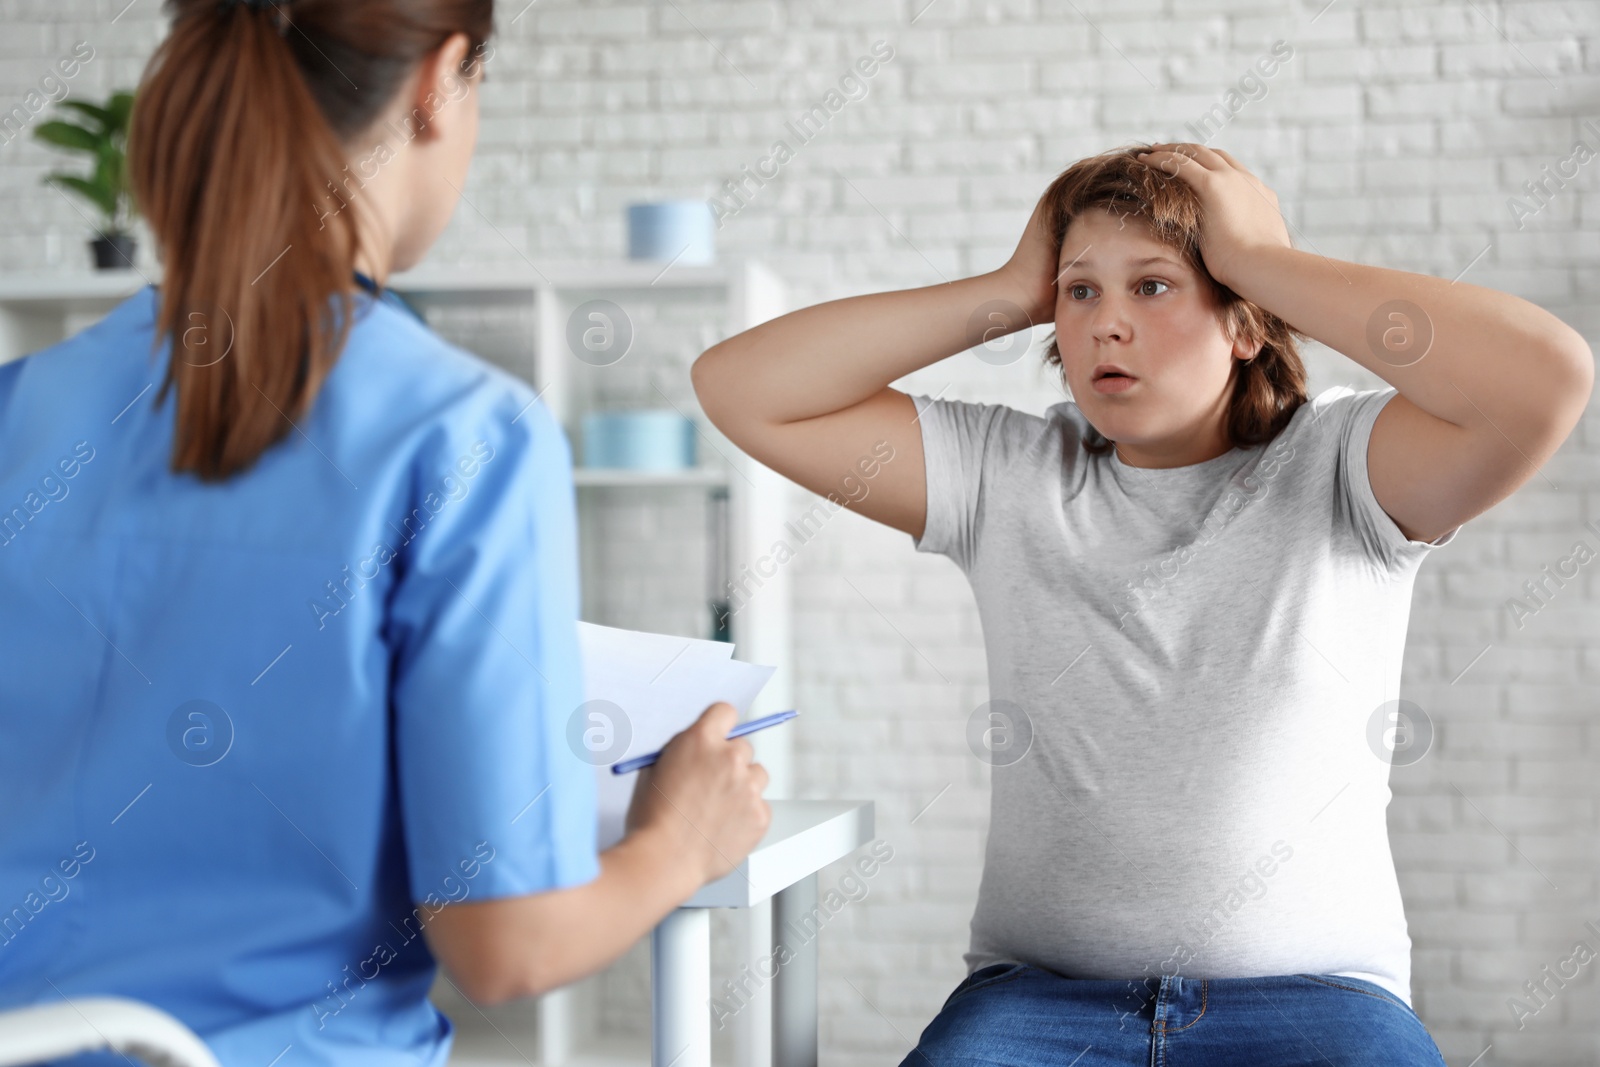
column 1353, row 416
column 959, row 444
column 485, row 662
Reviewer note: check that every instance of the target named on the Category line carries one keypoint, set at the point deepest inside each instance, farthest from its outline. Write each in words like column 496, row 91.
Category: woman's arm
column 1498, row 387
column 808, row 393
column 695, row 815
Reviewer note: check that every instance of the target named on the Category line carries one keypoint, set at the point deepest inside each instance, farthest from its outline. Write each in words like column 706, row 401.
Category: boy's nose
column 1111, row 325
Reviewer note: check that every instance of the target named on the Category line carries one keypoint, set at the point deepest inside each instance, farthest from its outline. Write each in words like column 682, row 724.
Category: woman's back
column 307, row 696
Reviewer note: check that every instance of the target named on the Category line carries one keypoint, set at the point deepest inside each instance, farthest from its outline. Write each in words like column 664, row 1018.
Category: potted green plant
column 102, row 134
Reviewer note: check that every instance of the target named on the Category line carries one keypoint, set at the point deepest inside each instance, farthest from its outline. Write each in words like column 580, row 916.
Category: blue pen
column 638, row 763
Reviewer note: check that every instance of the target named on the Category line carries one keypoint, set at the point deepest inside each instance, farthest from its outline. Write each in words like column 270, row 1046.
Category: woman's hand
column 695, row 814
column 1032, row 269
column 704, row 796
column 1240, row 214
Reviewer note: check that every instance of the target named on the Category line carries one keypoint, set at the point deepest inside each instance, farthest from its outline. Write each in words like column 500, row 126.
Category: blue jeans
column 1011, row 1013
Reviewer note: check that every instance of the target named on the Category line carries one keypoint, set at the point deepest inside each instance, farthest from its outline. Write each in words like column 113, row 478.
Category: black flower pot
column 113, row 253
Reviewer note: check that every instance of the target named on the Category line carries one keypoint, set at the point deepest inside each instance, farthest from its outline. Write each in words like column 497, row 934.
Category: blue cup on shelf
column 652, row 440
column 672, row 230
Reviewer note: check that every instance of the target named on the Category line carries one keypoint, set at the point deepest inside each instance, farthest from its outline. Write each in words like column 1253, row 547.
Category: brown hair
column 1267, row 388
column 237, row 140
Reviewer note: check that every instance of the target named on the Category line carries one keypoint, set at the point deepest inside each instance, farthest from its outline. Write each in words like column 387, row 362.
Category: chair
column 90, row 1024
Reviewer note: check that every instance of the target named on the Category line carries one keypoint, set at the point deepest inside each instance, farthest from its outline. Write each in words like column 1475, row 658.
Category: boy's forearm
column 1459, row 352
column 828, row 357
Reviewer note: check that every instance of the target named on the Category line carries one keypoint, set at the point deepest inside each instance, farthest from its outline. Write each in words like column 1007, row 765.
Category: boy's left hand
column 1241, row 214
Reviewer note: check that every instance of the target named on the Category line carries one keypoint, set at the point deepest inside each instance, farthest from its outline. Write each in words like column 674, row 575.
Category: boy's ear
column 1246, row 347
column 1247, row 343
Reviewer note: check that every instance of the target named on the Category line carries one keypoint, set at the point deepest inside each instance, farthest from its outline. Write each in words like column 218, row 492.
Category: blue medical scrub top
column 246, row 727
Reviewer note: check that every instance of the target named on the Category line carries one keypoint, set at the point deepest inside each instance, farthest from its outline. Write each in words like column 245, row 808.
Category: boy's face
column 1126, row 298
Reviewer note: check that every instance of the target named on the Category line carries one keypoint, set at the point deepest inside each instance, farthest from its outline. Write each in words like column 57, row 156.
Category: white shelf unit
column 38, row 310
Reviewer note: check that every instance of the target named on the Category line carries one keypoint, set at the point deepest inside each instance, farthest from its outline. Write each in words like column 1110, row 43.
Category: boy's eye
column 1079, row 292
column 1148, row 287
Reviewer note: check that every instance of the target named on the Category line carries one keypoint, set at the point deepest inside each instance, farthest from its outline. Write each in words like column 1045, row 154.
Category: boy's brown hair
column 1267, row 388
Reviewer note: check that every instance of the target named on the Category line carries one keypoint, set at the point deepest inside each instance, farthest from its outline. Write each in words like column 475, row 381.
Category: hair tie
column 274, row 8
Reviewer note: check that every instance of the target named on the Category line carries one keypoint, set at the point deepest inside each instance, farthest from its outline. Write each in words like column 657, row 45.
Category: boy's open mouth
column 1109, row 378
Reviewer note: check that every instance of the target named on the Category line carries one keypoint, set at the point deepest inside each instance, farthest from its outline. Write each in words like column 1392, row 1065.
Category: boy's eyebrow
column 1145, row 262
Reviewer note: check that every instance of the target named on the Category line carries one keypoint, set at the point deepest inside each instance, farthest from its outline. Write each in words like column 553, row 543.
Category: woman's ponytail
column 237, row 141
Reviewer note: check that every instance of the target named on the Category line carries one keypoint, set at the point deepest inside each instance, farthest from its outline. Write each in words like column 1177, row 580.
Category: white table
column 804, row 837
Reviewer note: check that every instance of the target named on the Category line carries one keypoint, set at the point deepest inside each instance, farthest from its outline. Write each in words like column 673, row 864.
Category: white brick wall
column 1395, row 135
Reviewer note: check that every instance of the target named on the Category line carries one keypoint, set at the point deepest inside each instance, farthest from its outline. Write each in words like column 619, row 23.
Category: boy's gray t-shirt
column 1191, row 671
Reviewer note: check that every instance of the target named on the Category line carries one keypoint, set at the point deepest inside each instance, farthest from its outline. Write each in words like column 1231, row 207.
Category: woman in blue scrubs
column 288, row 593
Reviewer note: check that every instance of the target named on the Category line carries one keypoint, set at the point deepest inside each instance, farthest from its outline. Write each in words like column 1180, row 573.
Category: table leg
column 794, row 988
column 557, row 1011
column 680, row 990
column 752, row 1023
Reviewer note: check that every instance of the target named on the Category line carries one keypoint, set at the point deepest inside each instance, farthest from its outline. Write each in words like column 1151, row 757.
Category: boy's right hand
column 1032, row 269
column 704, row 796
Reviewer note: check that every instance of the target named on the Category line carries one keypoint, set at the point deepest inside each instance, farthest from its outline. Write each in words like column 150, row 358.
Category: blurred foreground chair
column 91, row 1024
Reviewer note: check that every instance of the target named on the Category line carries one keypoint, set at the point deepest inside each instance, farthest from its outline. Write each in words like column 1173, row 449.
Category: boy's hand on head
column 1031, row 270
column 1240, row 213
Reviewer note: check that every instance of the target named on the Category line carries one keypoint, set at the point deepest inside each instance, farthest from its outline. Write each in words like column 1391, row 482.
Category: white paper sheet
column 658, row 686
